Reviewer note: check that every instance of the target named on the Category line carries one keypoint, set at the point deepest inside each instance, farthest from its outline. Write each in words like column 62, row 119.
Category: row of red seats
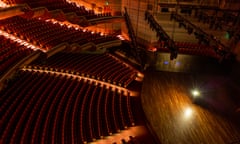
column 102, row 67
column 192, row 49
column 47, row 34
column 197, row 49
column 200, row 52
column 49, row 108
column 11, row 53
column 191, row 45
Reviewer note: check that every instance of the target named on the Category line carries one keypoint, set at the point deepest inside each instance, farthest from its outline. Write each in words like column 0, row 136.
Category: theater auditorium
column 120, row 71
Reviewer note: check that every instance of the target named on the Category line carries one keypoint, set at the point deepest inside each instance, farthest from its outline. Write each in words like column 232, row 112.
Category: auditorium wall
column 236, row 51
column 236, row 66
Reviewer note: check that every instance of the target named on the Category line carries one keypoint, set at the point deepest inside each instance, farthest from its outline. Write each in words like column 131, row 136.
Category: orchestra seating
column 45, row 107
column 72, row 97
column 47, row 34
column 102, row 67
column 10, row 53
column 65, row 6
column 68, row 97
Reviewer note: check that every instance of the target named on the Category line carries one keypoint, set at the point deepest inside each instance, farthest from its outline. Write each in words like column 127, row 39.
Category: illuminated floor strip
column 20, row 41
column 124, row 134
column 108, row 85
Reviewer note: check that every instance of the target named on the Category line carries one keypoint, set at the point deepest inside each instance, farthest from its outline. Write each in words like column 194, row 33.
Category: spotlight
column 188, row 112
column 195, row 93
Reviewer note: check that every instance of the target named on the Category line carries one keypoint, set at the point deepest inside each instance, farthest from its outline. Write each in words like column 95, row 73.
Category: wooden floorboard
column 177, row 119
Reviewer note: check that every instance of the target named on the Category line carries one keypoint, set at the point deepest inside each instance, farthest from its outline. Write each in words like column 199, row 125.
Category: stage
column 178, row 117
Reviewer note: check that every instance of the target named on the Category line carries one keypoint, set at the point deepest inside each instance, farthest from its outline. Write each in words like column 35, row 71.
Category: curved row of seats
column 47, row 34
column 11, row 53
column 197, row 49
column 99, row 66
column 191, row 45
column 49, row 108
column 193, row 49
column 200, row 52
column 63, row 5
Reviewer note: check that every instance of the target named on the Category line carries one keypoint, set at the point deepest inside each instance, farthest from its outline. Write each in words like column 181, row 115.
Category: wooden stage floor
column 179, row 119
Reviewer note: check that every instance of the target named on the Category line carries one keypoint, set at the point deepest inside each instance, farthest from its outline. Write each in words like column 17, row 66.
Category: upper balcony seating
column 54, row 108
column 61, row 4
column 47, row 34
column 10, row 53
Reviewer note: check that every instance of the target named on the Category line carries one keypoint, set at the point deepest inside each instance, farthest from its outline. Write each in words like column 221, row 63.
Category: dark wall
column 235, row 72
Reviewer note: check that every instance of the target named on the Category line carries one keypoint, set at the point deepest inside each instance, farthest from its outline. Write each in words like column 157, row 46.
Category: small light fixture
column 195, row 93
